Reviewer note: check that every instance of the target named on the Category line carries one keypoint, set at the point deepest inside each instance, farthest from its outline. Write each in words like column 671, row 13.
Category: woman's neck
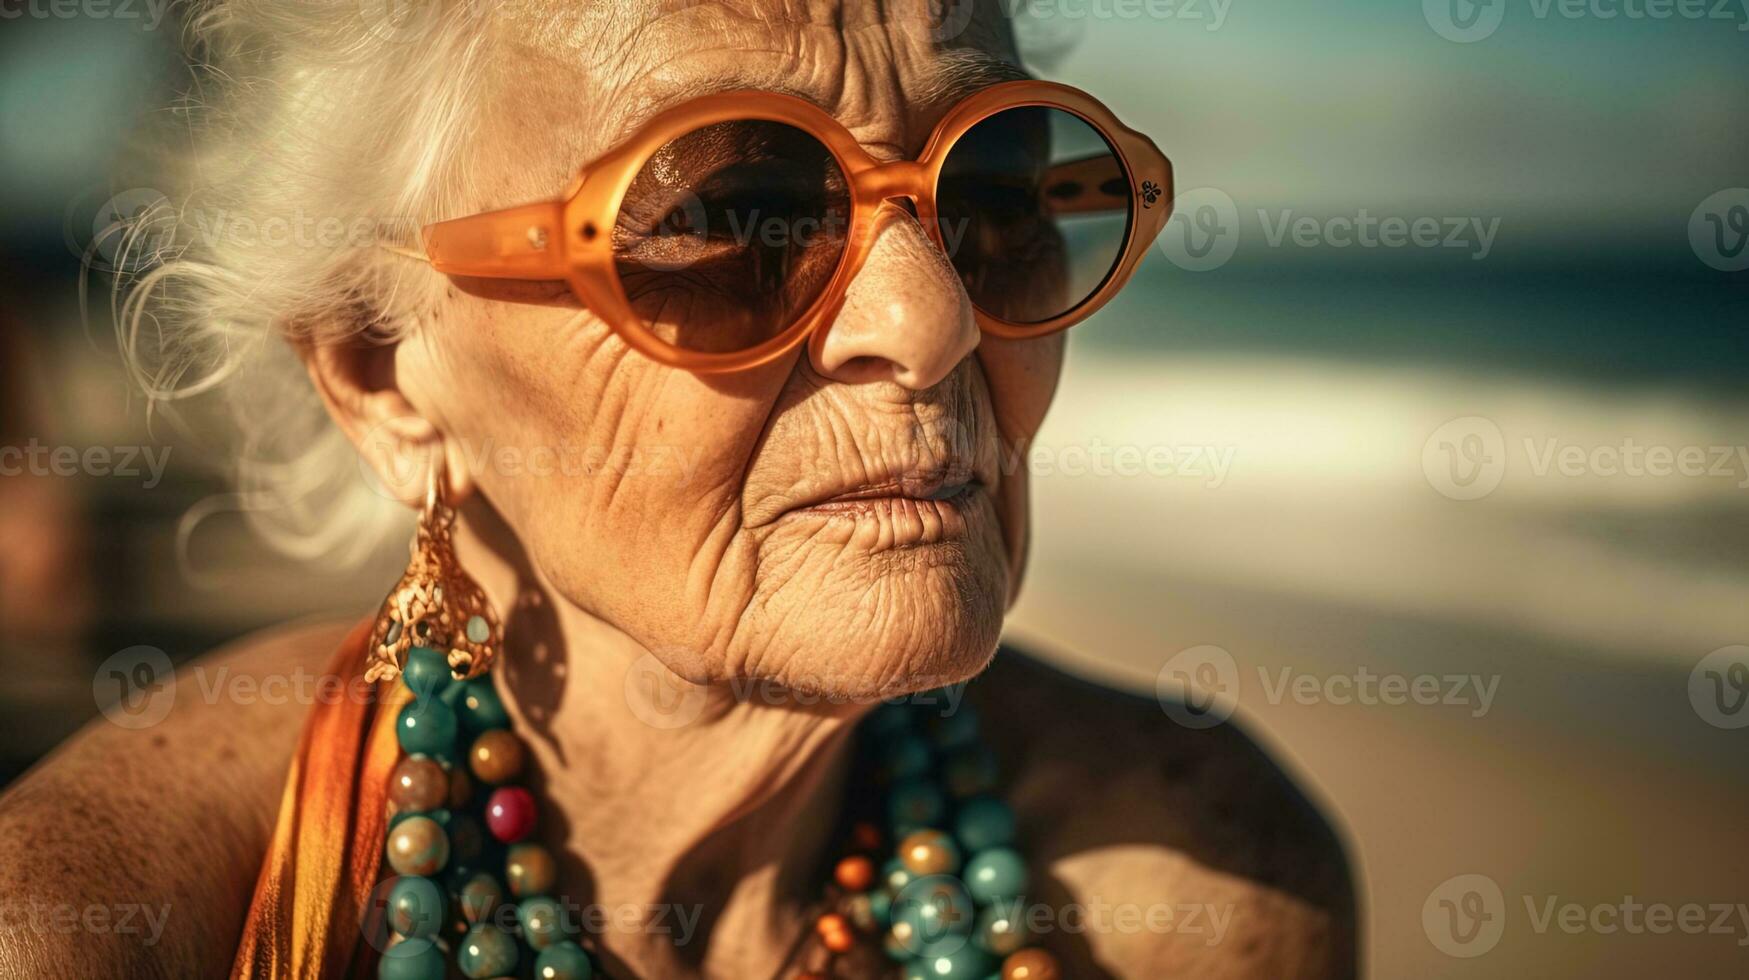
column 690, row 822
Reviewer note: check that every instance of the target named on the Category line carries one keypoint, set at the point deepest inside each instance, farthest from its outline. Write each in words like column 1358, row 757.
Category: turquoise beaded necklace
column 465, row 881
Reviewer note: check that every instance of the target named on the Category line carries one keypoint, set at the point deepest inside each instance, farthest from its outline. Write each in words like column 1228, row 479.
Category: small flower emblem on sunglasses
column 1150, row 193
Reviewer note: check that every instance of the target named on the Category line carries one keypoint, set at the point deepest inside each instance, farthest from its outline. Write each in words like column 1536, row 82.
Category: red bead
column 865, row 836
column 510, row 813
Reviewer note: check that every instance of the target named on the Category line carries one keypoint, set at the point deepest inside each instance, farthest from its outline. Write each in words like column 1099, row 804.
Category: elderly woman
column 702, row 340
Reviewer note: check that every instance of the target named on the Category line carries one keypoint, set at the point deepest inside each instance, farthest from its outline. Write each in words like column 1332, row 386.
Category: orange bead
column 1031, row 964
column 496, row 756
column 835, row 932
column 855, row 873
column 929, row 852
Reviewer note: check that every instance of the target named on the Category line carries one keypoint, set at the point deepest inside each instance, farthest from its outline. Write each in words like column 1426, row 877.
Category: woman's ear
column 357, row 380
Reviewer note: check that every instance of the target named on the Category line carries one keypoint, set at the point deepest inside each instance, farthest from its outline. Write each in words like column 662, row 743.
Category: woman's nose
column 905, row 317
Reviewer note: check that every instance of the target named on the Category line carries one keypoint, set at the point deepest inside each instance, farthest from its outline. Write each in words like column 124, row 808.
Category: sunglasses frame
column 571, row 238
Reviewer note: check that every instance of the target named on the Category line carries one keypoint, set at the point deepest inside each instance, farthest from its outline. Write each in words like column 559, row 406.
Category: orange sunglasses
column 725, row 231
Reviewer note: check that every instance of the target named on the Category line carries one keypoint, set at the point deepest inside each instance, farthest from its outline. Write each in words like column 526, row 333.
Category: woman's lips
column 902, row 516
column 948, row 493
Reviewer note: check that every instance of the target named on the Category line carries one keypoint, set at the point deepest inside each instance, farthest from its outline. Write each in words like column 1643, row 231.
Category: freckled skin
column 691, row 554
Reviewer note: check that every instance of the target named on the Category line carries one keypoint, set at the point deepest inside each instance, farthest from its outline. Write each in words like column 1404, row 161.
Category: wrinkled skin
column 694, row 548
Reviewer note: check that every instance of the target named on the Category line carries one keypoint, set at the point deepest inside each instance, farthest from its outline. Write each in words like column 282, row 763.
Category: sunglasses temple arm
column 516, row 243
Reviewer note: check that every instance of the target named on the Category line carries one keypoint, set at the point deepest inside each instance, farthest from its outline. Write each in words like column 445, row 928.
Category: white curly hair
column 316, row 131
column 313, row 132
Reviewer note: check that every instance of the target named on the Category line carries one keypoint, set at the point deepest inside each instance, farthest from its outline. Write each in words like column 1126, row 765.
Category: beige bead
column 496, row 756
column 418, row 846
column 529, row 870
column 418, row 783
column 929, row 852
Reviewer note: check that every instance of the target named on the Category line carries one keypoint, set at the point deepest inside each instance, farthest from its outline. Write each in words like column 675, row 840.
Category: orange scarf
column 310, row 905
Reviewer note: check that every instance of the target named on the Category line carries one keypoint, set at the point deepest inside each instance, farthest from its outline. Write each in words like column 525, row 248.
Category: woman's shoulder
column 133, row 849
column 1161, row 849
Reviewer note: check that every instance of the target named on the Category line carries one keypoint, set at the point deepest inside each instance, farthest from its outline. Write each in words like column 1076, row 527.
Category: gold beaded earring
column 437, row 604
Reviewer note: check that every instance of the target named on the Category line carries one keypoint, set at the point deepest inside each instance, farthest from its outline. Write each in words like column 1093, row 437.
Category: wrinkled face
column 851, row 520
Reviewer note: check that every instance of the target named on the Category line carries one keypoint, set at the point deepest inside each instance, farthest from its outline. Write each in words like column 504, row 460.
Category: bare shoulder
column 132, row 850
column 1161, row 850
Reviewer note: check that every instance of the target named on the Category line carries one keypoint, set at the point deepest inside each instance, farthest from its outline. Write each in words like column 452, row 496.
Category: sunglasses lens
column 729, row 233
column 1034, row 207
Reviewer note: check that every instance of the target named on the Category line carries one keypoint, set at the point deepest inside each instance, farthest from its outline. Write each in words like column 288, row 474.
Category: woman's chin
column 870, row 634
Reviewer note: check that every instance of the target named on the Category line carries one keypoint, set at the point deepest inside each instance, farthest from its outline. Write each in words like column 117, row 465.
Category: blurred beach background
column 1282, row 454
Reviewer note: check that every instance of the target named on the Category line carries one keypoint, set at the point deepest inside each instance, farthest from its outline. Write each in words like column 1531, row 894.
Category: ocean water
column 1608, row 317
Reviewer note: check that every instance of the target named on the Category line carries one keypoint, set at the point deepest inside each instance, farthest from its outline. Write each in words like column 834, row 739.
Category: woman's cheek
column 1022, row 376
